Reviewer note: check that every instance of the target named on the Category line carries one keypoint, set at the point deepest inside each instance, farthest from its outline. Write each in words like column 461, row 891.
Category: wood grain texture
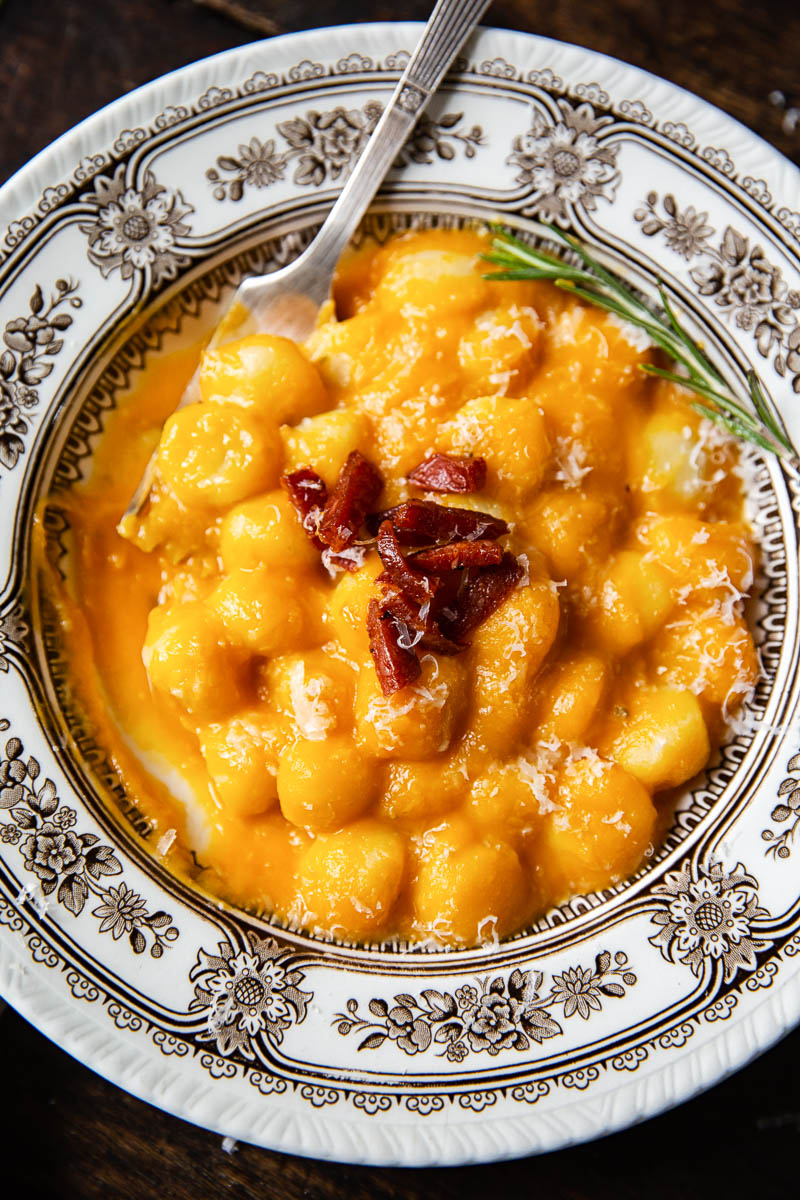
column 73, row 1135
column 67, row 1132
column 62, row 61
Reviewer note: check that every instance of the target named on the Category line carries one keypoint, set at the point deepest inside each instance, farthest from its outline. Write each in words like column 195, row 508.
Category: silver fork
column 288, row 302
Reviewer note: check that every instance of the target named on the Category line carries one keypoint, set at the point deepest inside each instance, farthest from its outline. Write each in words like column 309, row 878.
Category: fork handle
column 447, row 29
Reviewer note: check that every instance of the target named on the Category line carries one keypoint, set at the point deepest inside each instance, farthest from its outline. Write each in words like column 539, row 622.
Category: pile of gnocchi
column 538, row 762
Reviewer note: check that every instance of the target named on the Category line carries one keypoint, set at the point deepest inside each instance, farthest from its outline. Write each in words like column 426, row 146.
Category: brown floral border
column 325, row 146
column 247, row 994
column 258, row 85
column 786, row 813
column 501, row 1014
column 31, row 342
column 737, row 274
column 71, row 865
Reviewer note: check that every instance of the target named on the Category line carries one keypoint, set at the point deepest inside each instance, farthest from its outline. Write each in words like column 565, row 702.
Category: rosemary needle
column 589, row 280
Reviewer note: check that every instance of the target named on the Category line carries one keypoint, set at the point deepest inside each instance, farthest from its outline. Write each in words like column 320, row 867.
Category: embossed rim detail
column 88, row 1006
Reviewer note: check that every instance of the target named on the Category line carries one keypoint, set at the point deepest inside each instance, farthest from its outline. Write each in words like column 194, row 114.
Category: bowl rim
column 720, row 1058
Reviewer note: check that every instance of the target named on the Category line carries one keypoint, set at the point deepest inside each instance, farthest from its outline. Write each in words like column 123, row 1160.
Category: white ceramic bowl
column 618, row 1004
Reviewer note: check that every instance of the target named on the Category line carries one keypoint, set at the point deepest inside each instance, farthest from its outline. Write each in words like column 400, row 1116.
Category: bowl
column 123, row 238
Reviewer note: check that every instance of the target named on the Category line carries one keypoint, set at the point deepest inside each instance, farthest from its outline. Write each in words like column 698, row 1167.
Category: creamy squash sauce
column 226, row 662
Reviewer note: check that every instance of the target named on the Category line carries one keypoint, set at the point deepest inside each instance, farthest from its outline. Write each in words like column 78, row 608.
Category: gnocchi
column 535, row 752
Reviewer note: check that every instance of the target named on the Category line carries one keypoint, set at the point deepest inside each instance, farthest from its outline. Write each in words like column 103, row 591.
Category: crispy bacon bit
column 431, row 599
column 357, row 489
column 438, row 560
column 420, row 522
column 423, row 629
column 414, row 584
column 309, row 495
column 450, row 473
column 396, row 665
column 482, row 595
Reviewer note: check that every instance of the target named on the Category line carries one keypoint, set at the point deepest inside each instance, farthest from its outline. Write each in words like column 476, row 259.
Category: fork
column 288, row 302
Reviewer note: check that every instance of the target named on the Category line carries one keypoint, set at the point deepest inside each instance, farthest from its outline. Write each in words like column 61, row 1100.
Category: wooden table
column 68, row 1133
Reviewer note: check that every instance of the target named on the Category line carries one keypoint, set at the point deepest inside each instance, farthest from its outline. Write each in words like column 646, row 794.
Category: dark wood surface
column 68, row 1133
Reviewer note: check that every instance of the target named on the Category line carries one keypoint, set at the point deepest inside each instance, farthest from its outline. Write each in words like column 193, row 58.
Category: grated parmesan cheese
column 587, row 754
column 635, row 337
column 312, row 714
column 501, row 380
column 165, row 841
column 565, row 328
column 570, row 458
column 406, row 639
column 353, row 554
column 538, row 780
column 718, row 577
column 489, row 938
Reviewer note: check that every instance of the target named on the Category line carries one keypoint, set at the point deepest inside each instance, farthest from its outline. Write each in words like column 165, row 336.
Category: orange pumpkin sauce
column 230, row 673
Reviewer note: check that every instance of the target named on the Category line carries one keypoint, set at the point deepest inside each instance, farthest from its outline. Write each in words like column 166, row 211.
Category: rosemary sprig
column 589, row 280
